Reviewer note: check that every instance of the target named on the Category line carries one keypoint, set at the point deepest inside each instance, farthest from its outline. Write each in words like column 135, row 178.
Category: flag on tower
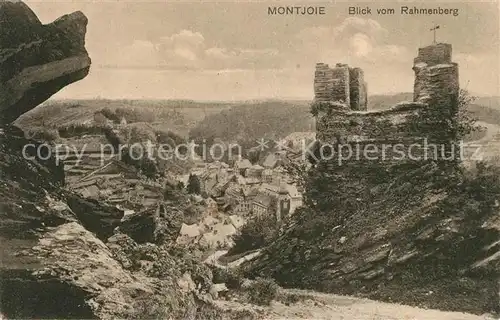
column 434, row 31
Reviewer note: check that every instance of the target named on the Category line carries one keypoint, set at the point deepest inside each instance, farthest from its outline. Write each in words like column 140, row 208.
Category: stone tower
column 283, row 203
column 436, row 76
column 340, row 84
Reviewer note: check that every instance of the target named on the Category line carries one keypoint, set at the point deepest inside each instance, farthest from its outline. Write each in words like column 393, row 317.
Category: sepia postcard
column 249, row 160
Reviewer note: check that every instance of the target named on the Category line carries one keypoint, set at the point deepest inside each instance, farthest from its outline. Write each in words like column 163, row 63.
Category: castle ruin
column 340, row 104
column 341, row 84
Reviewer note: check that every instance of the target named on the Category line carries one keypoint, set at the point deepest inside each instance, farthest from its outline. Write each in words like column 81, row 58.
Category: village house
column 254, row 171
column 262, row 205
column 274, row 160
column 288, row 195
column 242, row 165
column 283, row 204
column 220, row 187
column 277, row 206
column 208, row 180
column 267, row 175
column 240, row 198
column 295, row 195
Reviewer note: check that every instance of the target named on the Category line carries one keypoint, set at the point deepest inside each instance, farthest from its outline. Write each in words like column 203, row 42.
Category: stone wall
column 357, row 86
column 341, row 92
column 341, row 126
column 389, row 133
column 323, row 82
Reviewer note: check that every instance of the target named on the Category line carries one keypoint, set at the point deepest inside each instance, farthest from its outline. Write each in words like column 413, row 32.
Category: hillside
column 175, row 115
column 272, row 119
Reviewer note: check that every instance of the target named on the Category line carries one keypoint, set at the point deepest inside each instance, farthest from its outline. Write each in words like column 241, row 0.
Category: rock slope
column 57, row 261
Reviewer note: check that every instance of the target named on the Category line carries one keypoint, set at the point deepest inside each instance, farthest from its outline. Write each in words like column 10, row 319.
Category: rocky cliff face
column 37, row 60
column 57, row 261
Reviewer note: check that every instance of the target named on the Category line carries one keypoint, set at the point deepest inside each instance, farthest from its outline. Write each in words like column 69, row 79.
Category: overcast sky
column 234, row 51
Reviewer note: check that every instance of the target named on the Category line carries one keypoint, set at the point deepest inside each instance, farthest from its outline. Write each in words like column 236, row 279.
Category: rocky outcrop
column 78, row 277
column 95, row 216
column 155, row 225
column 37, row 60
column 54, row 267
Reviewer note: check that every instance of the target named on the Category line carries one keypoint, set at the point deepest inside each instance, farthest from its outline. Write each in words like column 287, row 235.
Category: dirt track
column 333, row 307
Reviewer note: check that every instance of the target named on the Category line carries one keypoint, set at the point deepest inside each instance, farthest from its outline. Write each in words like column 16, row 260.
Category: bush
column 256, row 233
column 193, row 213
column 168, row 138
column 150, row 308
column 135, row 115
column 194, row 184
column 110, row 114
column 100, row 119
column 43, row 134
column 262, row 291
column 232, row 278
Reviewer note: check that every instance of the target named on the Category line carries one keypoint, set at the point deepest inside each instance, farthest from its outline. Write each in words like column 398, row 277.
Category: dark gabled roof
column 263, row 199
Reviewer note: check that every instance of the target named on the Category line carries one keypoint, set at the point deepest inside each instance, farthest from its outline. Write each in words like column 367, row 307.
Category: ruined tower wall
column 436, row 77
column 438, row 53
column 341, row 82
column 420, row 88
column 357, row 87
column 442, row 85
column 323, row 82
column 365, row 96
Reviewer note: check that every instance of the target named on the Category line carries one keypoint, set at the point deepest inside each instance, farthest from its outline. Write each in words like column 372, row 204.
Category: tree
column 172, row 192
column 256, row 233
column 100, row 118
column 148, row 168
column 194, row 184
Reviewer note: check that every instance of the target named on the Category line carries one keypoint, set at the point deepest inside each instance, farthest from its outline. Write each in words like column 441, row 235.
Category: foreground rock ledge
column 37, row 60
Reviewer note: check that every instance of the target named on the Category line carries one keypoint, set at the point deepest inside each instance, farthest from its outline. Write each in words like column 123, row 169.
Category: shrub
column 193, row 213
column 256, row 233
column 172, row 192
column 44, row 134
column 149, row 308
column 232, row 278
column 262, row 291
column 169, row 138
column 110, row 114
column 100, row 119
column 194, row 184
